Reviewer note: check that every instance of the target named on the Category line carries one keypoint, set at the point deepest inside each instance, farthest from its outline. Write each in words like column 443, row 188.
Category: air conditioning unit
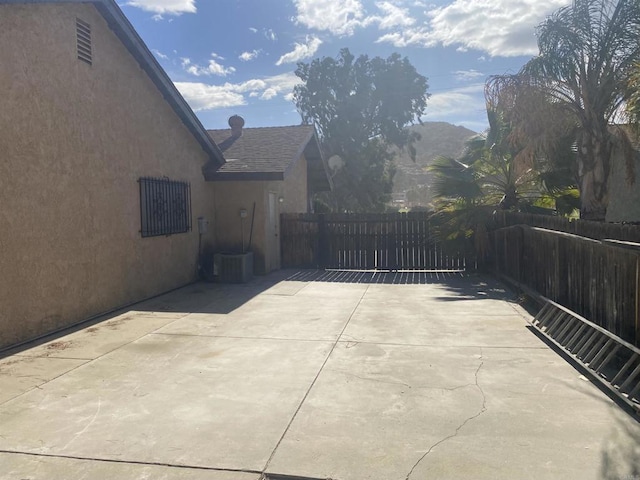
column 233, row 267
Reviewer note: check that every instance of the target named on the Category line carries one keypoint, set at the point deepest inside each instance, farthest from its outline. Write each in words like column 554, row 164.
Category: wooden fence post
column 323, row 242
column 637, row 300
column 562, row 271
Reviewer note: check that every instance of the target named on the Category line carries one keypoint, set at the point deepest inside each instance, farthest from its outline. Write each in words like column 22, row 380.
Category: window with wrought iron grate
column 165, row 206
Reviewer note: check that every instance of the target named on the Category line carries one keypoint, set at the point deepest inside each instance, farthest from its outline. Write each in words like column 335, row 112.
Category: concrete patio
column 342, row 376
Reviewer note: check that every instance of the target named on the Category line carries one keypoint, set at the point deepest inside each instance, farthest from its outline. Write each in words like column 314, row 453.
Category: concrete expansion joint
column 483, row 409
column 313, row 382
column 128, row 462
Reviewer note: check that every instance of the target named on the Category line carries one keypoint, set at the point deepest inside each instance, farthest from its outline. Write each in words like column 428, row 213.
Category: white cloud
column 497, row 27
column 283, row 83
column 455, row 102
column 464, row 75
column 392, row 16
column 212, row 68
column 161, row 7
column 249, row 86
column 339, row 18
column 208, row 97
column 301, row 51
column 269, row 93
column 201, row 96
column 411, row 36
column 248, row 56
column 270, row 35
column 253, row 30
column 159, row 54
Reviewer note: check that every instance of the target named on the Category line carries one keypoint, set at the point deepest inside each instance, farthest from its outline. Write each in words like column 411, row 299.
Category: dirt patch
column 113, row 325
column 57, row 346
column 116, row 323
column 9, row 362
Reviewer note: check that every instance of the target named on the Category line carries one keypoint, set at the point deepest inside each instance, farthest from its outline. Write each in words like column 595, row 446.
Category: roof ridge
column 262, row 128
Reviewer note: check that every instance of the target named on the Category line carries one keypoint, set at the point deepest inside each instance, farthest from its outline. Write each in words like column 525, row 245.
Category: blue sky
column 238, row 56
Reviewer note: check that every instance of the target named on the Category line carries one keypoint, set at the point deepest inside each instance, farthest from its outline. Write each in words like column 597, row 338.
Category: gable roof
column 123, row 29
column 268, row 153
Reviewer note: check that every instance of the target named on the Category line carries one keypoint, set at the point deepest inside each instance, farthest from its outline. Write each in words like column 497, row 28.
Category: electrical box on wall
column 203, row 225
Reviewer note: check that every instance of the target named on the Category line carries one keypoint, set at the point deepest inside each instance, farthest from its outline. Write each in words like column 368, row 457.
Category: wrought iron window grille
column 165, row 206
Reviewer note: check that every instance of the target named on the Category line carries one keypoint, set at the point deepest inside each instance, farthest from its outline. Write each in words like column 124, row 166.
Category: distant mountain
column 411, row 184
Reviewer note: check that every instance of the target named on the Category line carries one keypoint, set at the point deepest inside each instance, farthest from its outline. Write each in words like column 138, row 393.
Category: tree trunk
column 594, row 156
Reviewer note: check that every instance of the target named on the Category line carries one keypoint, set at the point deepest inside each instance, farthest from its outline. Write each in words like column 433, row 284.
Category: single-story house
column 268, row 171
column 101, row 182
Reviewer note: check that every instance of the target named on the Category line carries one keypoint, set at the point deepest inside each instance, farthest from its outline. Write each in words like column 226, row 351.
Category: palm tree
column 489, row 176
column 576, row 87
column 633, row 96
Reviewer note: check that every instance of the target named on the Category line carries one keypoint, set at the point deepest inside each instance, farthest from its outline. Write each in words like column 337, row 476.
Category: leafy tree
column 359, row 106
column 575, row 88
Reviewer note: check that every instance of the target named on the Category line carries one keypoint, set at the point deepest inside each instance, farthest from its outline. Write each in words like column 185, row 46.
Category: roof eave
column 150, row 65
column 215, row 176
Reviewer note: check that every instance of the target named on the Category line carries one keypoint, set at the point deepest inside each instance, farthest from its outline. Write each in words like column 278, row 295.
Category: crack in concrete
column 403, row 384
column 86, row 427
column 467, row 420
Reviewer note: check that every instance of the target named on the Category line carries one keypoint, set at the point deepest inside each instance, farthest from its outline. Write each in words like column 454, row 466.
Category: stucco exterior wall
column 295, row 189
column 624, row 197
column 74, row 139
column 231, row 197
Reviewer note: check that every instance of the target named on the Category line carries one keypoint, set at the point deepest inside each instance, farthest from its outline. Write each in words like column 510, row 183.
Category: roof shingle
column 265, row 150
column 269, row 153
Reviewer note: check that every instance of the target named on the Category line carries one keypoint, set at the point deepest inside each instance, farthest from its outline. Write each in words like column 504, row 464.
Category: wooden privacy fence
column 598, row 279
column 583, row 228
column 392, row 241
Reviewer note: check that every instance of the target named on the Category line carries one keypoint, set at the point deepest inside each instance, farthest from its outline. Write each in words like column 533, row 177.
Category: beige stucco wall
column 295, row 189
column 624, row 196
column 231, row 197
column 74, row 139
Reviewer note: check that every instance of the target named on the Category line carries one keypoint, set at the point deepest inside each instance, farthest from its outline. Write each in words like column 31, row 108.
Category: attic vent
column 83, row 38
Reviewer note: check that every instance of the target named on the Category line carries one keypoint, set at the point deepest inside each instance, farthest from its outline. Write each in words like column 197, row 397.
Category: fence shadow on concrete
column 465, row 285
column 405, row 277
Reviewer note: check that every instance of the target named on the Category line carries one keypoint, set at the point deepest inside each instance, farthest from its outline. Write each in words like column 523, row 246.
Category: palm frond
column 453, row 179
